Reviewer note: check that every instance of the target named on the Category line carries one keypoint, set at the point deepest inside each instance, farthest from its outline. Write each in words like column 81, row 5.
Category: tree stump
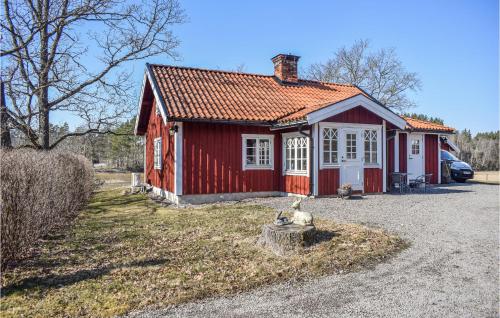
column 287, row 239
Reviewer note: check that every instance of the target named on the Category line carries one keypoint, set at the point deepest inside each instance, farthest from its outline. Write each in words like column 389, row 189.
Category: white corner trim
column 439, row 159
column 178, row 151
column 145, row 140
column 315, row 135
column 396, row 152
column 384, row 158
column 244, row 166
column 358, row 100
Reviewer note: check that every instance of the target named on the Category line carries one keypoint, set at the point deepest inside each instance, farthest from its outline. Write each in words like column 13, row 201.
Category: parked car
column 459, row 171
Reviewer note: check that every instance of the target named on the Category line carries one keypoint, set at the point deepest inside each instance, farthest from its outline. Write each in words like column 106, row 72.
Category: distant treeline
column 121, row 150
column 481, row 151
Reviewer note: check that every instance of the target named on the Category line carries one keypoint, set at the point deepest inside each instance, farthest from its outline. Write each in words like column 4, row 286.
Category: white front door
column 415, row 156
column 351, row 165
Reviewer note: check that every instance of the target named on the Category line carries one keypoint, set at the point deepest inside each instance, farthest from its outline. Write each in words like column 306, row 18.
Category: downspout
column 311, row 156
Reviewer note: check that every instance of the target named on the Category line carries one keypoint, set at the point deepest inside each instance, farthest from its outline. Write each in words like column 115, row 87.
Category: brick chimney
column 285, row 68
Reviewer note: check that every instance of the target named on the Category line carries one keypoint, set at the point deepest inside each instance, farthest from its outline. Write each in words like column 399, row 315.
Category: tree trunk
column 6, row 141
column 287, row 239
column 43, row 95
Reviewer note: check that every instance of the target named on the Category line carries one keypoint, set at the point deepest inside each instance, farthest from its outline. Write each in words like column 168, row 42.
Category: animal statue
column 301, row 217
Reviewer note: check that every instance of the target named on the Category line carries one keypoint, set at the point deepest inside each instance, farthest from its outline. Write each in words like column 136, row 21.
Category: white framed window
column 257, row 151
column 157, row 153
column 330, row 146
column 295, row 154
column 370, row 137
column 415, row 146
column 351, row 147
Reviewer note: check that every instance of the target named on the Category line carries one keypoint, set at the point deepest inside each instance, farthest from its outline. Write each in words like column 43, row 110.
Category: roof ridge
column 425, row 121
column 209, row 70
column 245, row 73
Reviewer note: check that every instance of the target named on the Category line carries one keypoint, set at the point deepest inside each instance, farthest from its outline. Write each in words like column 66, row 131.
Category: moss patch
column 126, row 253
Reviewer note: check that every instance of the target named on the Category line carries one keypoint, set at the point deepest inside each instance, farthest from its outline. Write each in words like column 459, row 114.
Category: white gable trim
column 358, row 100
column 451, row 143
column 159, row 101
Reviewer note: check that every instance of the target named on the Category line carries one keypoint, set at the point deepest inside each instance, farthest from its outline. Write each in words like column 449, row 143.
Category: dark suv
column 459, row 170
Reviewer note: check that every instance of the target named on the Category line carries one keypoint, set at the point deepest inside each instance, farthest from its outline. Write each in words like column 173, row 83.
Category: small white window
column 257, row 151
column 157, row 153
column 415, row 147
column 370, row 138
column 330, row 146
column 296, row 154
column 350, row 146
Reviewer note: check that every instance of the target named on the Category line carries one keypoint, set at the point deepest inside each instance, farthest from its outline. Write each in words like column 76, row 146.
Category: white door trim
column 408, row 154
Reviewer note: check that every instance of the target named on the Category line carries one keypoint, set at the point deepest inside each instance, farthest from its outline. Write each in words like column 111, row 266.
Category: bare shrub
column 40, row 191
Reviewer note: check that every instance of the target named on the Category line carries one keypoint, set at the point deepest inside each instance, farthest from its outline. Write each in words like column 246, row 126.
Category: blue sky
column 452, row 45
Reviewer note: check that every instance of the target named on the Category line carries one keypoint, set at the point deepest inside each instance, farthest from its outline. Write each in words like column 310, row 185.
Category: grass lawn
column 126, row 253
column 492, row 177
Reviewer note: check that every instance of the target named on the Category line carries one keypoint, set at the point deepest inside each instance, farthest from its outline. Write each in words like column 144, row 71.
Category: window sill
column 372, row 165
column 258, row 168
column 330, row 166
column 296, row 173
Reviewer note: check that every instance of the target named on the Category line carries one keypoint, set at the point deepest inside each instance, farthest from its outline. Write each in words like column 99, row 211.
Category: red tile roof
column 423, row 125
column 192, row 93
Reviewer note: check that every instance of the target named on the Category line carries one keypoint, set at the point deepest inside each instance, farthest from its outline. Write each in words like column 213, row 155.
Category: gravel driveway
column 451, row 269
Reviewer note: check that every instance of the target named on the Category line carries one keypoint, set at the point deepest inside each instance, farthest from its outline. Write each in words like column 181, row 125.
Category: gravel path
column 451, row 269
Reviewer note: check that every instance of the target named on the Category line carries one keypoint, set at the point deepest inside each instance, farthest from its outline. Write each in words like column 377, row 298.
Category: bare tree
column 70, row 55
column 381, row 74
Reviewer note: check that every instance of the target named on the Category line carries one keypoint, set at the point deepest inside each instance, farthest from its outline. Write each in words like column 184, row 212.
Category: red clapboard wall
column 212, row 160
column 296, row 184
column 403, row 158
column 358, row 115
column 163, row 178
column 445, row 146
column 431, row 156
column 390, row 160
column 328, row 181
column 373, row 180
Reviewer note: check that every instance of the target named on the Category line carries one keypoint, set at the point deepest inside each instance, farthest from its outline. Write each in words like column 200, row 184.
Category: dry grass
column 492, row 177
column 126, row 253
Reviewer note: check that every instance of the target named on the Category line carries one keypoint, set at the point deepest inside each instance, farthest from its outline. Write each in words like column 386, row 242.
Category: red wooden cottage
column 215, row 135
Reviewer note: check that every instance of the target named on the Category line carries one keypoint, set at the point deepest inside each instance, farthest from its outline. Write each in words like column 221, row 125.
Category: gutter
column 311, row 157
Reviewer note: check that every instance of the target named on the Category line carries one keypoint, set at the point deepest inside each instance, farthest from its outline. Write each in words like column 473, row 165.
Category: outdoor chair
column 398, row 182
column 422, row 181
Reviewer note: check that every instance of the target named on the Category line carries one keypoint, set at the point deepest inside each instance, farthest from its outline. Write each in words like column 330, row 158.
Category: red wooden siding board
column 357, row 115
column 163, row 178
column 213, row 162
column 390, row 160
column 431, row 156
column 403, row 153
column 328, row 181
column 373, row 180
column 445, row 146
column 297, row 184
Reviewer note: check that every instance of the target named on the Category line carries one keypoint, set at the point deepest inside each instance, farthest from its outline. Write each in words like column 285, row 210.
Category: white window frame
column 257, row 166
column 157, row 154
column 341, row 127
column 286, row 136
column 370, row 150
column 322, row 149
